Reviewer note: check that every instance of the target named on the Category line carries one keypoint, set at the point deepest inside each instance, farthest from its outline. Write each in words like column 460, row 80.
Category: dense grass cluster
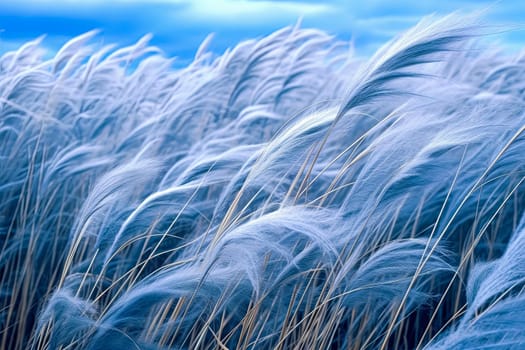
column 284, row 195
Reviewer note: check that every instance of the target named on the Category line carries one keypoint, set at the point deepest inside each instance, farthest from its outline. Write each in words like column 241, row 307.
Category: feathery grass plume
column 283, row 195
column 495, row 298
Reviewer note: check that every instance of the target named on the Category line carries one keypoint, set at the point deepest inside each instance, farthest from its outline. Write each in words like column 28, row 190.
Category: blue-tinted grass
column 284, row 195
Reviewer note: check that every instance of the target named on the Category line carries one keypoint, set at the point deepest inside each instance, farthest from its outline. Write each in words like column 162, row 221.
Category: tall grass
column 284, row 195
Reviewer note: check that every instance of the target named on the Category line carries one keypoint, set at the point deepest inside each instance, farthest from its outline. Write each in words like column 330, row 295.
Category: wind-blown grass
column 284, row 195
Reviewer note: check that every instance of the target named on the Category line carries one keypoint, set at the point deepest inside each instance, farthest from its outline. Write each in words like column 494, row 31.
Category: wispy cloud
column 250, row 13
column 225, row 10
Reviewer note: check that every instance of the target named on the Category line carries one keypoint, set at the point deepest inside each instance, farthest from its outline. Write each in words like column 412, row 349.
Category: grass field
column 286, row 194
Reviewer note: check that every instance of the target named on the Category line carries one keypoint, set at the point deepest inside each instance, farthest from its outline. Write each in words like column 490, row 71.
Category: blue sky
column 180, row 25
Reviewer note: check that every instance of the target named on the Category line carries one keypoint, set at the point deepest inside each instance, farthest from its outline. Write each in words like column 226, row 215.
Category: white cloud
column 256, row 12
